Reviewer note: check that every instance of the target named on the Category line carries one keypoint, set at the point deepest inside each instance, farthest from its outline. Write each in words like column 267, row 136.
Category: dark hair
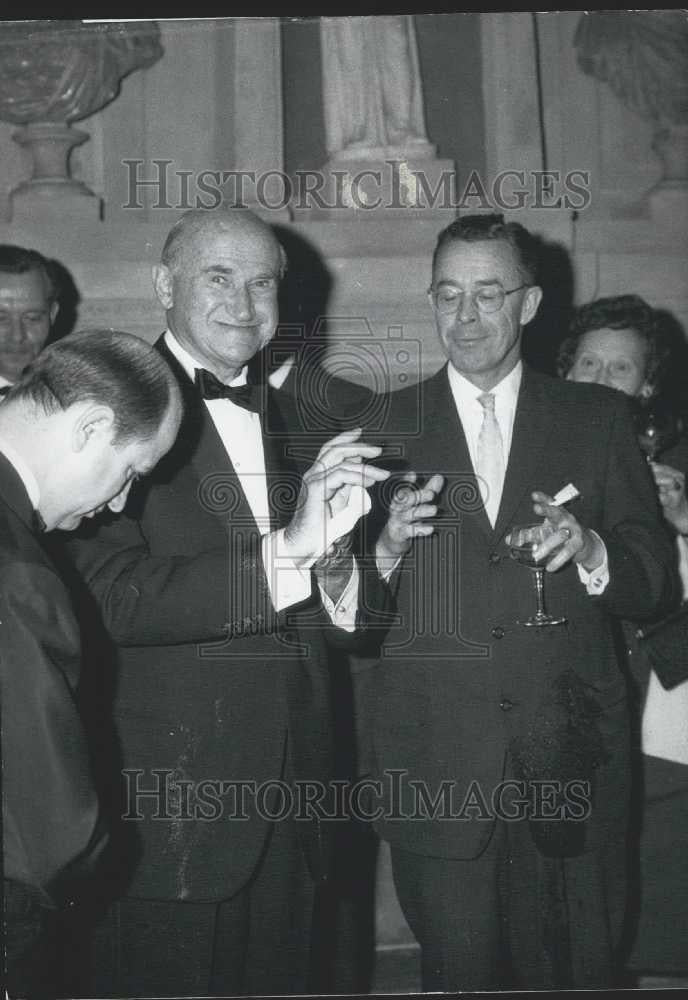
column 479, row 228
column 106, row 366
column 19, row 260
column 619, row 312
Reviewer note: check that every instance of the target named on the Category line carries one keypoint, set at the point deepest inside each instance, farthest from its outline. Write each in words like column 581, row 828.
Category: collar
column 4, row 381
column 279, row 376
column 190, row 364
column 23, row 471
column 505, row 391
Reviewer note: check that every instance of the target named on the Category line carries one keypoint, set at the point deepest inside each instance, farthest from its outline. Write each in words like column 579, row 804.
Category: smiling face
column 220, row 293
column 615, row 358
column 98, row 472
column 26, row 313
column 484, row 347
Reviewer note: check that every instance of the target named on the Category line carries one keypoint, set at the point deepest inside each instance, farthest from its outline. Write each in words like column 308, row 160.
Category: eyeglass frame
column 432, row 293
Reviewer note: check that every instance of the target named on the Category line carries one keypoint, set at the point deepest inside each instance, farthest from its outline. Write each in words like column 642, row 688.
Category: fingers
column 406, row 496
column 348, row 475
column 435, row 483
column 567, row 539
column 671, row 484
column 346, row 445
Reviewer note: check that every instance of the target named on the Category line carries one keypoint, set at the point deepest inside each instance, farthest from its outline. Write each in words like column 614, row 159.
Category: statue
column 643, row 56
column 372, row 88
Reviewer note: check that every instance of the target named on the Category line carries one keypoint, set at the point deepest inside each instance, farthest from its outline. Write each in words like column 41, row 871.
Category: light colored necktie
column 490, row 463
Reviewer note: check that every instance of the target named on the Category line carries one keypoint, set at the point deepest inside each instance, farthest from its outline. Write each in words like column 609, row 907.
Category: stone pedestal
column 50, row 192
column 668, row 200
column 395, row 184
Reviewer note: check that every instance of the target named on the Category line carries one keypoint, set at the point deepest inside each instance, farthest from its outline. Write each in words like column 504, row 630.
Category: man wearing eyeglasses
column 503, row 747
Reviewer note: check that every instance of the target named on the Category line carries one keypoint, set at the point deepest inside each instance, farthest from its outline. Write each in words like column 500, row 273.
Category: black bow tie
column 4, row 389
column 246, row 396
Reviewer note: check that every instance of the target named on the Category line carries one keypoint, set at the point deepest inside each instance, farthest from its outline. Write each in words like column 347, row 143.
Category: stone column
column 257, row 128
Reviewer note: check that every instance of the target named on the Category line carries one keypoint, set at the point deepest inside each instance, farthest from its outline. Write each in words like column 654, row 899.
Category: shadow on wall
column 544, row 334
column 68, row 299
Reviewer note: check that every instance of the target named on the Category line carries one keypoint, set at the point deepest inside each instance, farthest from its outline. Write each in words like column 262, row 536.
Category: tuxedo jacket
column 211, row 685
column 51, row 831
column 465, row 695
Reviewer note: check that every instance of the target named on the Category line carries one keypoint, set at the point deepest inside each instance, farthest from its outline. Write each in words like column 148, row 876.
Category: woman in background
column 621, row 342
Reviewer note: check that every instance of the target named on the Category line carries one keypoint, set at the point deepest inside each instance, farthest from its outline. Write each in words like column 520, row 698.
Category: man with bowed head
column 86, row 418
column 502, row 888
column 221, row 628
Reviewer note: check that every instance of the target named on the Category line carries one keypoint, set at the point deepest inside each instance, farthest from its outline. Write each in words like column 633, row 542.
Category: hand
column 671, row 489
column 408, row 511
column 340, row 464
column 570, row 541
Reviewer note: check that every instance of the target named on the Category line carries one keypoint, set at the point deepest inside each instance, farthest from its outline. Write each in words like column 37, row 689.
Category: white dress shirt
column 665, row 713
column 471, row 412
column 240, row 432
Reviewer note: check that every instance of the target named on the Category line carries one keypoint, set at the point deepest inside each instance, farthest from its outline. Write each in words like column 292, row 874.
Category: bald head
column 198, row 223
column 218, row 281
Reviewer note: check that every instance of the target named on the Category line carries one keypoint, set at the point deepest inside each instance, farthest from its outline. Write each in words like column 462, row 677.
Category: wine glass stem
column 540, row 591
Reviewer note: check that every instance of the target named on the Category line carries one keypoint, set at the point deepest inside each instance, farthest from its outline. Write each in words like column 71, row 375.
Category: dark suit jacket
column 464, row 694
column 665, row 649
column 211, row 685
column 50, row 812
column 325, row 402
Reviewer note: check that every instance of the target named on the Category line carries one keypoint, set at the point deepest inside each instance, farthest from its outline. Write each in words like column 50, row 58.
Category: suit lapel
column 283, row 479
column 532, row 429
column 200, row 447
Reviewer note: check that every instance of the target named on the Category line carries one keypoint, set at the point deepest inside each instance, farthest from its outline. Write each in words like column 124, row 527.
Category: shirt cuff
column 343, row 613
column 386, row 574
column 288, row 584
column 597, row 580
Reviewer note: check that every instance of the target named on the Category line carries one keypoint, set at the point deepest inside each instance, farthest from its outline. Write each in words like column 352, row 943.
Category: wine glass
column 656, row 430
column 523, row 540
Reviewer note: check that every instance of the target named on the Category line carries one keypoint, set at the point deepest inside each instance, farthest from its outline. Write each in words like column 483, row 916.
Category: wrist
column 678, row 521
column 289, row 547
column 592, row 554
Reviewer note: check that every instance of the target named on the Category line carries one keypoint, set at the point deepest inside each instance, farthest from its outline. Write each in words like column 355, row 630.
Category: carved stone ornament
column 643, row 57
column 55, row 72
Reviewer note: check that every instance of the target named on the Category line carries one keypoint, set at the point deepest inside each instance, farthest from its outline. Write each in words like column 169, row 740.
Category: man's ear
column 94, row 422
column 54, row 310
column 531, row 304
column 162, row 283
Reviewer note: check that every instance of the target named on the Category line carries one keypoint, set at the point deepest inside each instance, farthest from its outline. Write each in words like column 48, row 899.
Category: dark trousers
column 513, row 918
column 257, row 942
column 31, row 943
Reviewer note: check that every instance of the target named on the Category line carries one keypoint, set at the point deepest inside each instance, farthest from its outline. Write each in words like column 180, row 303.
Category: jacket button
column 495, row 558
column 506, row 705
column 498, row 632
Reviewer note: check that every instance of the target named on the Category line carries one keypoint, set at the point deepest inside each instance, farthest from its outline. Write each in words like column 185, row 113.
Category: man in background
column 86, row 418
column 28, row 309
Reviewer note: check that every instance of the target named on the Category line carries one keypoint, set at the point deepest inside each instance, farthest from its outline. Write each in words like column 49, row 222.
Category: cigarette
column 568, row 492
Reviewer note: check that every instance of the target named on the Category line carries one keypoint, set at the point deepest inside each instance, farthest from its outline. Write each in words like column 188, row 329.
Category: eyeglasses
column 488, row 299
